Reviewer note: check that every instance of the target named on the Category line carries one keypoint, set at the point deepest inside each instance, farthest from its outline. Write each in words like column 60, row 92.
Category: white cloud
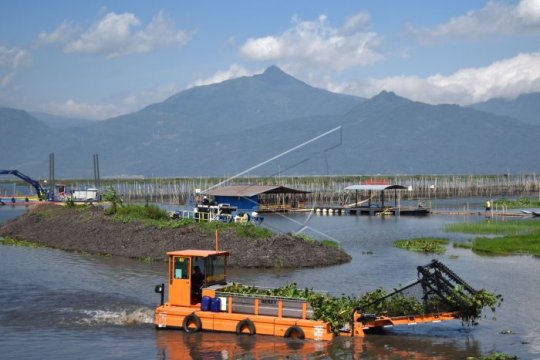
column 529, row 11
column 505, row 78
column 234, row 71
column 11, row 60
column 318, row 43
column 119, row 104
column 496, row 17
column 62, row 34
column 115, row 35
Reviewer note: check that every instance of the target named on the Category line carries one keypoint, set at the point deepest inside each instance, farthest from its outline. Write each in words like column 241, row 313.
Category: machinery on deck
column 198, row 299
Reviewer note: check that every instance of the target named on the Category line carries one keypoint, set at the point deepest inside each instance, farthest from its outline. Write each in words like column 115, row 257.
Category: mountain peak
column 273, row 70
column 276, row 75
column 388, row 97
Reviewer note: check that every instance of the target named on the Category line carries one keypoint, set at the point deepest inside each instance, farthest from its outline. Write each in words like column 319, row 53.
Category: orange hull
column 250, row 324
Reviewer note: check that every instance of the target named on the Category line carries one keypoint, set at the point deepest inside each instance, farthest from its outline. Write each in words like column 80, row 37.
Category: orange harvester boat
column 197, row 301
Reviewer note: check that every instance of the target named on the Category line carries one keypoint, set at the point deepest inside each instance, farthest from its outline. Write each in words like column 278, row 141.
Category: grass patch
column 136, row 212
column 146, row 259
column 156, row 217
column 428, row 245
column 330, row 244
column 523, row 202
column 303, row 236
column 151, row 215
column 14, row 242
column 508, row 245
column 307, row 238
column 245, row 230
column 495, row 227
column 495, row 356
column 515, row 237
column 251, row 231
column 463, row 245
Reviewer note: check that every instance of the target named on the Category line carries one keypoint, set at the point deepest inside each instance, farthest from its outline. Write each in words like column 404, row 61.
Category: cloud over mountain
column 116, row 34
column 506, row 78
column 318, row 43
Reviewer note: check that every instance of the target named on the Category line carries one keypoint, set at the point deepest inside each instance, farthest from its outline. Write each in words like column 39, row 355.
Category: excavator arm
column 39, row 190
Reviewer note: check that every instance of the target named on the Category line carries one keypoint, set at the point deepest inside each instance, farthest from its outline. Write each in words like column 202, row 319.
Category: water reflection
column 176, row 345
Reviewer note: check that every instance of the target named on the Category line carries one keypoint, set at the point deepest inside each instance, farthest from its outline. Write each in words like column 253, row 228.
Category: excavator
column 41, row 193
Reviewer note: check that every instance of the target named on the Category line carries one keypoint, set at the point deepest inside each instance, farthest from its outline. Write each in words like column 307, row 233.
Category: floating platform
column 365, row 210
column 404, row 211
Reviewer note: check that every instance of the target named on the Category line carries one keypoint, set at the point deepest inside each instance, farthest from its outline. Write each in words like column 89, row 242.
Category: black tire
column 295, row 332
column 192, row 319
column 246, row 323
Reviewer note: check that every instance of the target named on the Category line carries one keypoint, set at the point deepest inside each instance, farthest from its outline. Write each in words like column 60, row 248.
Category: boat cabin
column 192, row 270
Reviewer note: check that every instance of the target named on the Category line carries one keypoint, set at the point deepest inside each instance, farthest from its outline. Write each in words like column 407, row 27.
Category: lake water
column 59, row 305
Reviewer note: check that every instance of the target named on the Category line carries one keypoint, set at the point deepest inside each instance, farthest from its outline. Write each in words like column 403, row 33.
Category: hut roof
column 252, row 190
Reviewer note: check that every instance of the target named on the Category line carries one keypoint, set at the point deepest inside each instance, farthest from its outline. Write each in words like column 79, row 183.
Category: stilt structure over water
column 378, row 207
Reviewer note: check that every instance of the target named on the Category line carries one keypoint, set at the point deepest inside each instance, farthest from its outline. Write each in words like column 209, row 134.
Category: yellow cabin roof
column 199, row 253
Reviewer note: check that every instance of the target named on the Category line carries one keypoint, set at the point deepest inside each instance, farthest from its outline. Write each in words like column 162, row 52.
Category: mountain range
column 273, row 123
column 525, row 107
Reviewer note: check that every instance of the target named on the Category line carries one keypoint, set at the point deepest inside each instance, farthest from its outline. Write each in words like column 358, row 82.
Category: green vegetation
column 111, row 196
column 495, row 227
column 330, row 244
column 137, row 212
column 337, row 310
column 427, row 245
column 153, row 215
column 495, row 356
column 520, row 203
column 514, row 237
column 509, row 245
column 15, row 242
column 146, row 259
column 70, row 203
column 241, row 229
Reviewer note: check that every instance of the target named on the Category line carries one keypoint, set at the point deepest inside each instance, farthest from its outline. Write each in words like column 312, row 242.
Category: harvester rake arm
column 443, row 293
column 440, row 281
column 441, row 268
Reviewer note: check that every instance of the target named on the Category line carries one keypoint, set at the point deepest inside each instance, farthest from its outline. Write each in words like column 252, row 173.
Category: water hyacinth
column 337, row 310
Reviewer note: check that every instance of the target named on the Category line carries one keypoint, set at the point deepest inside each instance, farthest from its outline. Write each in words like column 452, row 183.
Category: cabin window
column 198, row 261
column 181, row 268
column 215, row 269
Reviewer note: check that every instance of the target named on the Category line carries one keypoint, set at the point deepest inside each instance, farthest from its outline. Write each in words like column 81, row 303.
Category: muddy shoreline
column 90, row 230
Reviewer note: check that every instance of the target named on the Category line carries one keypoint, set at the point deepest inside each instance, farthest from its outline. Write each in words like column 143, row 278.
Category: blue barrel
column 205, row 303
column 215, row 304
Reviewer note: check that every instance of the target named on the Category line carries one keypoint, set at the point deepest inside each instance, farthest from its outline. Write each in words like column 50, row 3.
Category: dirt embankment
column 91, row 230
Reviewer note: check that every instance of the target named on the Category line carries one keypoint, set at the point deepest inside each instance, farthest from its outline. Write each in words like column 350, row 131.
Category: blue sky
column 98, row 59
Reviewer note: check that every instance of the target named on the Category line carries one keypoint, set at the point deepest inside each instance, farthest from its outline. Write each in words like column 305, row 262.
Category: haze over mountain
column 223, row 129
column 525, row 107
column 61, row 122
